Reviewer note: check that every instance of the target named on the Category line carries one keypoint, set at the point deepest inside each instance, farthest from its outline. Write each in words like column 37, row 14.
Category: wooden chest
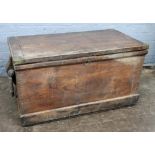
column 63, row 75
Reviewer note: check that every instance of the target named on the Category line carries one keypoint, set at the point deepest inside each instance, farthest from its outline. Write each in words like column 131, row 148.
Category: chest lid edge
column 30, row 49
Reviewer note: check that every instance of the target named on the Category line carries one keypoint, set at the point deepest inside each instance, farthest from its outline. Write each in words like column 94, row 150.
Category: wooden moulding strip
column 79, row 60
column 84, row 108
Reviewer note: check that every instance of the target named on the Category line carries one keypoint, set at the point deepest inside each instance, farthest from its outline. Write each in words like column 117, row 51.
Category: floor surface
column 140, row 117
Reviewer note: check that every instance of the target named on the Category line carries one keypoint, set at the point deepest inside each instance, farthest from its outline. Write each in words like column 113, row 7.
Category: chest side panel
column 54, row 87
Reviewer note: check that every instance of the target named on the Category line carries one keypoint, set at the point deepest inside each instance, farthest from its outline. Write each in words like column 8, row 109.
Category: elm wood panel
column 54, row 87
column 71, row 45
column 85, row 108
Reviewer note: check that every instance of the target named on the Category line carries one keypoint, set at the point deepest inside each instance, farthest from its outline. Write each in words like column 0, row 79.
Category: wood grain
column 80, row 60
column 63, row 75
column 61, row 86
column 85, row 108
column 41, row 48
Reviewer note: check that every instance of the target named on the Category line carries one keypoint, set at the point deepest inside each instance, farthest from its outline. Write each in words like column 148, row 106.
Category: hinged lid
column 51, row 47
